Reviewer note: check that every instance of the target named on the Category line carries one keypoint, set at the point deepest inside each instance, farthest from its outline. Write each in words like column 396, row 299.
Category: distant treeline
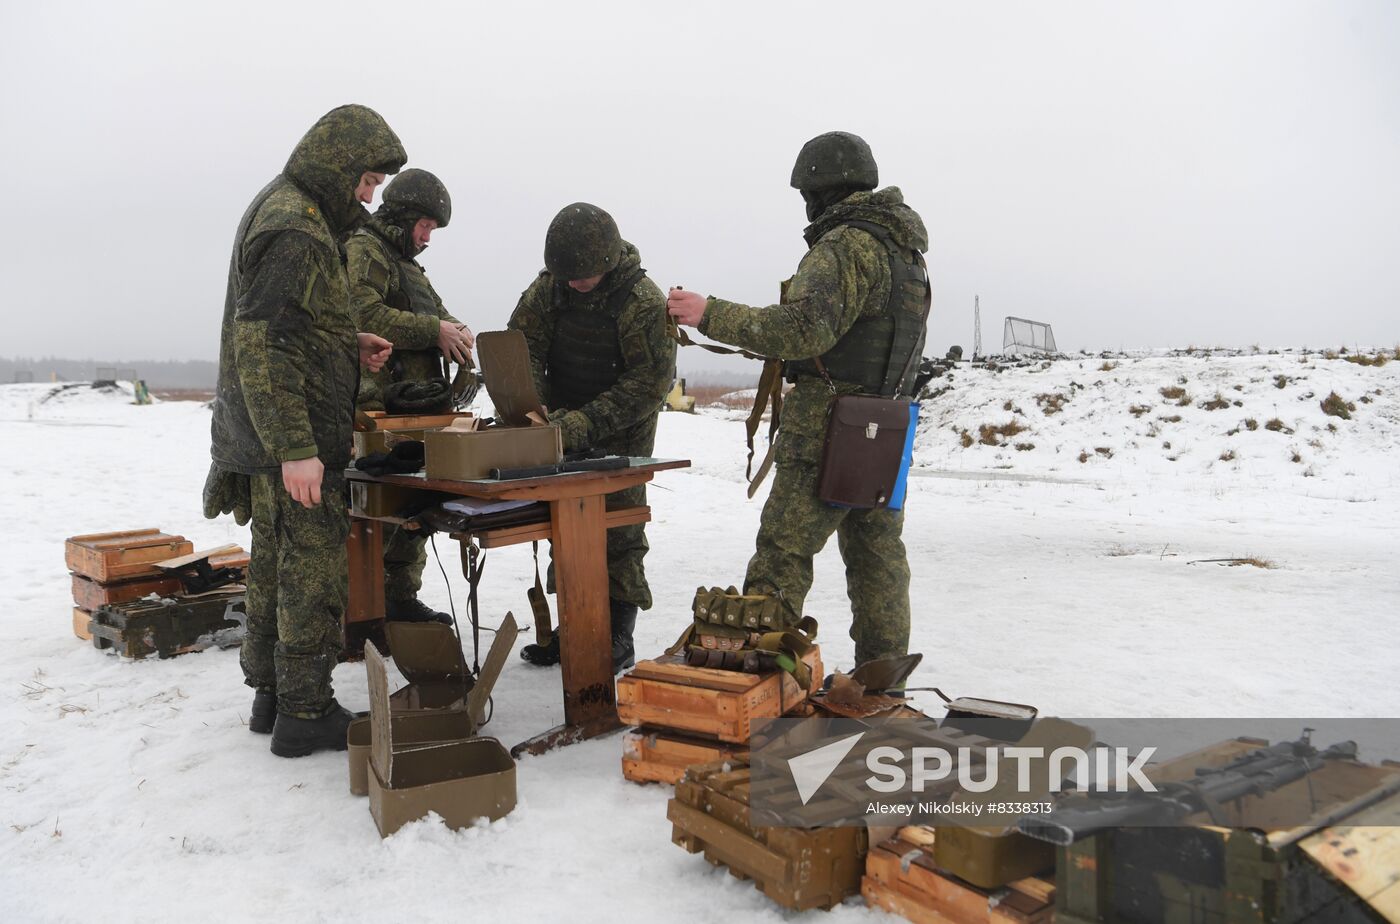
column 157, row 373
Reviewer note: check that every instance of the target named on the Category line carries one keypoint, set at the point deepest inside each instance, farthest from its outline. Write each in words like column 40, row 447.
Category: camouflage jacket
column 845, row 275
column 622, row 419
column 288, row 358
column 392, row 297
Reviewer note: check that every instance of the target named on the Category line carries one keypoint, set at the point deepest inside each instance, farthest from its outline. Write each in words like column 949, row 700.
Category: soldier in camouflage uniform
column 289, row 359
column 602, row 361
column 393, row 298
column 840, row 307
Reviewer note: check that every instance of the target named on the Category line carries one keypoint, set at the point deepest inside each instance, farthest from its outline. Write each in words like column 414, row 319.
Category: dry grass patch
column 1334, row 405
column 1108, row 367
column 966, row 439
column 1219, row 402
column 1227, row 456
column 1137, row 410
column 1281, row 381
column 998, row 434
column 1051, row 402
column 1104, row 451
column 1251, row 424
column 1024, row 447
column 1175, row 418
column 1361, row 359
column 1275, row 425
column 1175, row 393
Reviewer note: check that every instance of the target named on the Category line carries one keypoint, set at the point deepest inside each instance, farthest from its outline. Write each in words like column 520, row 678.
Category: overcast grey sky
column 1138, row 174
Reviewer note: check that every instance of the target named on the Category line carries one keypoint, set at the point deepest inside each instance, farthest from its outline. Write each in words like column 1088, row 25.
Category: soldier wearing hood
column 602, row 362
column 839, row 307
column 289, row 358
column 393, row 298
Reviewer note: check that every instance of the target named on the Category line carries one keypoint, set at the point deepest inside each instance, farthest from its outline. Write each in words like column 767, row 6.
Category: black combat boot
column 546, row 655
column 295, row 737
column 413, row 610
column 624, row 620
column 264, row 712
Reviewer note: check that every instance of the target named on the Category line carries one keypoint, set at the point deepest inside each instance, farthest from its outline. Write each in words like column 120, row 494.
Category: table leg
column 364, row 552
column 580, row 538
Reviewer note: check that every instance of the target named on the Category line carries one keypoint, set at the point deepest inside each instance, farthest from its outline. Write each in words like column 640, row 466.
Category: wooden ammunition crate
column 798, row 868
column 108, row 557
column 901, row 878
column 667, row 693
column 170, row 627
column 654, row 755
column 90, row 594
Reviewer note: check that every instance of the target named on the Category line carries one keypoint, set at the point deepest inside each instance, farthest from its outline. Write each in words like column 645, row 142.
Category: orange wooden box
column 667, row 693
column 654, row 755
column 108, row 557
column 900, row 877
column 90, row 594
column 82, row 624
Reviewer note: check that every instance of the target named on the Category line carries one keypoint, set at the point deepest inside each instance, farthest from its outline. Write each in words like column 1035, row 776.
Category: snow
column 132, row 790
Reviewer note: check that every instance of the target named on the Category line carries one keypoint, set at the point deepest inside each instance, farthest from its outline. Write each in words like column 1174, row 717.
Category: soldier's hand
column 374, row 351
column 686, row 307
column 455, row 341
column 302, row 479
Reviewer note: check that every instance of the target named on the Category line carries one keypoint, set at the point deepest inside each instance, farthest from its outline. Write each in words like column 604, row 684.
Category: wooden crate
column 901, row 878
column 667, row 693
column 108, row 557
column 654, row 755
column 90, row 594
column 82, row 623
column 170, row 627
column 796, row 867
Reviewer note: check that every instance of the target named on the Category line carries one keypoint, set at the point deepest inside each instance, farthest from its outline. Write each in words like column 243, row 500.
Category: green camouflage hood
column 628, row 262
column 328, row 161
column 884, row 207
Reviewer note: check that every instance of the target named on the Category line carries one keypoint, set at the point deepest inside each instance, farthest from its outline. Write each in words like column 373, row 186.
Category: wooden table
column 578, row 528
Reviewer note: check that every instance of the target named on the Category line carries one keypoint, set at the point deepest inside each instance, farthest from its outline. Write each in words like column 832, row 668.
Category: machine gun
column 1259, row 771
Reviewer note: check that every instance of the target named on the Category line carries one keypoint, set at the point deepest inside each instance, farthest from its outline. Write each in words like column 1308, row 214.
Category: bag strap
column 539, row 603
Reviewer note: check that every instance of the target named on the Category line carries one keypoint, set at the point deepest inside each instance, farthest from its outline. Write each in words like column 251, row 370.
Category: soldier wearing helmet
column 857, row 304
column 596, row 328
column 393, row 298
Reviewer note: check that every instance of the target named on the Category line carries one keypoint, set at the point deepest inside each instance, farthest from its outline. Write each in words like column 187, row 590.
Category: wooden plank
column 227, row 551
column 959, row 902
column 581, row 582
column 82, row 624
column 889, row 898
column 1365, row 858
column 541, row 532
column 681, row 674
column 364, row 552
column 367, row 421
column 727, row 844
column 654, row 756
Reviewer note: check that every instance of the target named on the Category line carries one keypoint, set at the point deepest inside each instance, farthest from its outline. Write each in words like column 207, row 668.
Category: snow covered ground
column 134, row 791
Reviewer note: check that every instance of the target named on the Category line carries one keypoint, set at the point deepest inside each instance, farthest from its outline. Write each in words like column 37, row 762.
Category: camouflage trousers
column 627, row 546
column 405, row 556
column 795, row 526
column 298, row 584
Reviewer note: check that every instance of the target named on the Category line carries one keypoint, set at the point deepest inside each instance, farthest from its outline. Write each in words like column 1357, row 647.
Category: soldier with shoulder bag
column 850, row 328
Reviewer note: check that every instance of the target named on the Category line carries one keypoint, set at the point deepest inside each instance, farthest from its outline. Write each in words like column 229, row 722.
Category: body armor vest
column 875, row 351
column 408, row 289
column 585, row 356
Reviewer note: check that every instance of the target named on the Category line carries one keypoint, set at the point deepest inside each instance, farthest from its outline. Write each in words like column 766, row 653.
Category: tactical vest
column 873, row 353
column 408, row 290
column 585, row 356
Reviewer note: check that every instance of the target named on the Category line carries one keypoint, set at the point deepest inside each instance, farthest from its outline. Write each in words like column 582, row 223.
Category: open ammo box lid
column 506, row 370
column 430, row 658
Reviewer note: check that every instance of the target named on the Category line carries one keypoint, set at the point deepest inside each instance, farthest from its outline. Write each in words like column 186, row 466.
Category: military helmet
column 420, row 191
column 582, row 242
column 834, row 160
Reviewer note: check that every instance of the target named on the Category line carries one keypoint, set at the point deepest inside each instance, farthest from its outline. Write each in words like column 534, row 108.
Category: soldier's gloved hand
column 574, row 425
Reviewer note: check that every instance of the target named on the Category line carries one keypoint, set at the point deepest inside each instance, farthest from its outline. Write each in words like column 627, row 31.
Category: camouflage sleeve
column 823, row 300
column 273, row 322
column 534, row 317
column 370, row 275
column 648, row 359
